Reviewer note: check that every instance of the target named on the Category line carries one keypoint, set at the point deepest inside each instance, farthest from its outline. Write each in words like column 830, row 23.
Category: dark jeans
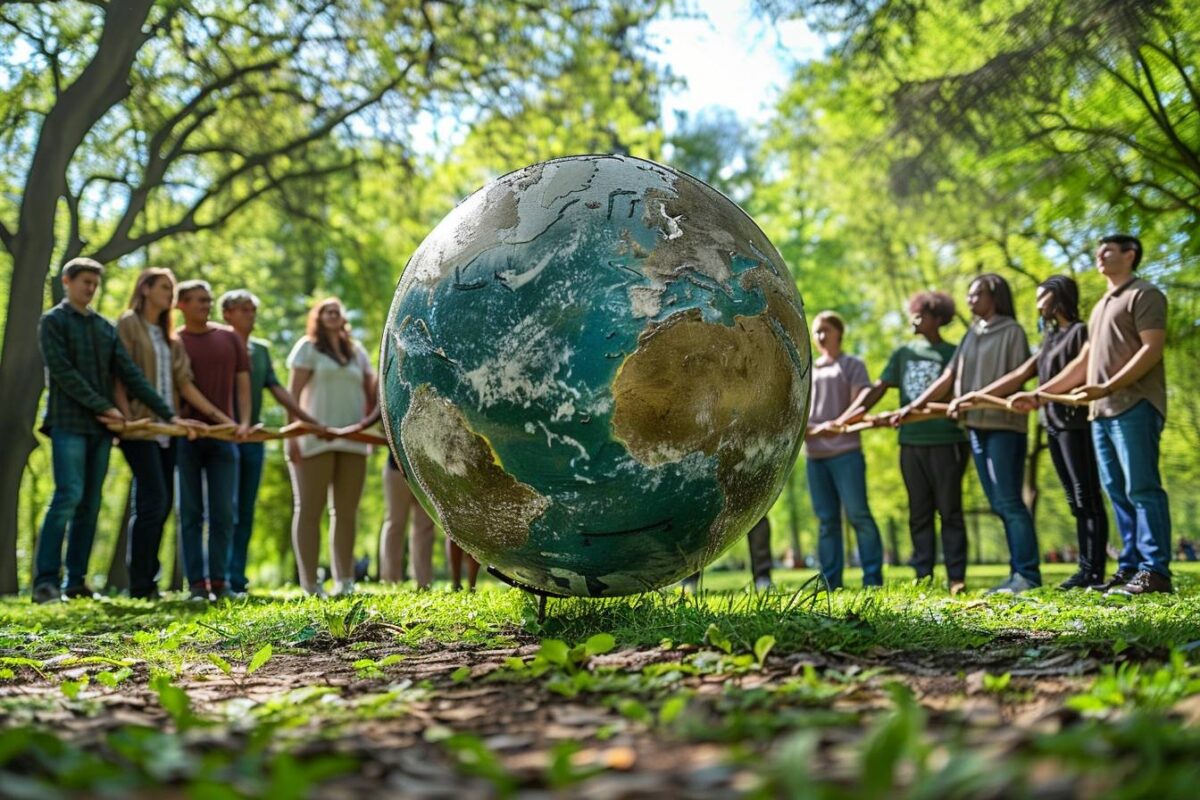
column 80, row 463
column 1127, row 452
column 933, row 476
column 153, row 469
column 1000, row 462
column 207, row 473
column 1074, row 458
column 250, row 469
column 833, row 483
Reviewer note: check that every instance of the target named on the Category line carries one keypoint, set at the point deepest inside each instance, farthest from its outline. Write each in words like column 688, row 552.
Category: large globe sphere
column 596, row 375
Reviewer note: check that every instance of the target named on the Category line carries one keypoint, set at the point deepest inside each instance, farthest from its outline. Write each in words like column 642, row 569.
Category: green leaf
column 600, row 644
column 632, row 709
column 174, row 700
column 996, row 684
column 555, row 651
column 221, row 663
column 72, row 688
column 762, row 647
column 7, row 674
column 259, row 658
column 461, row 674
column 671, row 709
column 717, row 639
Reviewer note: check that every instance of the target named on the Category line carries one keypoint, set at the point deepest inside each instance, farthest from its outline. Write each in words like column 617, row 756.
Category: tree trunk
column 118, row 568
column 103, row 83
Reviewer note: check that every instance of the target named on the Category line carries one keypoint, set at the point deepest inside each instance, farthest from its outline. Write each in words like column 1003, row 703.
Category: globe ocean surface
column 596, row 375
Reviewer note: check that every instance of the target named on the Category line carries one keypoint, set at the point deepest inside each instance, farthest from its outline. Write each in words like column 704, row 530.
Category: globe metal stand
column 541, row 594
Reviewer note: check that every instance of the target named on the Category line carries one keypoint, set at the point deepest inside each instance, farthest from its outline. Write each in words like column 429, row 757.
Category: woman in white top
column 332, row 379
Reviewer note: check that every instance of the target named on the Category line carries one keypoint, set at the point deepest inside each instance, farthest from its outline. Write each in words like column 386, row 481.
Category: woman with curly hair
column 933, row 453
column 333, row 381
column 994, row 345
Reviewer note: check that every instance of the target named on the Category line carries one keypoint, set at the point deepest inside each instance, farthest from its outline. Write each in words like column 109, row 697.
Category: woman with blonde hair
column 333, row 381
column 145, row 330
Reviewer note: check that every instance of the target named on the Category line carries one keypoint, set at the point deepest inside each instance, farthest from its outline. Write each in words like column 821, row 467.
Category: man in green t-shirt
column 934, row 453
column 239, row 308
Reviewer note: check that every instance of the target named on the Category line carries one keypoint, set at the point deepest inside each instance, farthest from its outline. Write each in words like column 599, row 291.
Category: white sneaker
column 344, row 588
column 763, row 583
column 316, row 590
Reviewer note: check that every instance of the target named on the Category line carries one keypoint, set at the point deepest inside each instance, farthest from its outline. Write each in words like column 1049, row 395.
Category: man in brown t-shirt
column 1120, row 373
column 221, row 369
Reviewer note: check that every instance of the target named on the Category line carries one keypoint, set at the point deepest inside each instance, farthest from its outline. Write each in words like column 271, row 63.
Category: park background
column 304, row 149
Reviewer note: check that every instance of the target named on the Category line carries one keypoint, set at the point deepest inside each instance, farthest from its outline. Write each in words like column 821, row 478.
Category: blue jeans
column 207, row 473
column 153, row 469
column 250, row 469
column 1127, row 449
column 837, row 482
column 80, row 462
column 1000, row 462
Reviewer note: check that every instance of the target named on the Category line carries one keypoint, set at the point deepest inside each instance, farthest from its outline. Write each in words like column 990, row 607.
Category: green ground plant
column 900, row 692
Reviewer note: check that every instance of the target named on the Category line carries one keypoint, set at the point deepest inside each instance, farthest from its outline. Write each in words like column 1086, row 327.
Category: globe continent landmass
column 596, row 375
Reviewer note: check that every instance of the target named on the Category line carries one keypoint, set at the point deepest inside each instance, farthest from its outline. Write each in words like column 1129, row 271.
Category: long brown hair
column 149, row 277
column 339, row 347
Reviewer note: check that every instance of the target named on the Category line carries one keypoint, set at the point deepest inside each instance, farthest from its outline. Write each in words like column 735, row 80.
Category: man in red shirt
column 221, row 368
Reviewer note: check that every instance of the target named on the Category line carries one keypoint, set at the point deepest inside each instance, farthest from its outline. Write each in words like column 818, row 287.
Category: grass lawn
column 904, row 692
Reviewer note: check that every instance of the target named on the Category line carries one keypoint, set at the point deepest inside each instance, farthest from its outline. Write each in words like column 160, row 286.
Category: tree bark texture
column 103, row 83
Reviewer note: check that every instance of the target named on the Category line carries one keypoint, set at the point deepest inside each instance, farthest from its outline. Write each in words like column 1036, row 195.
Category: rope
column 938, row 411
column 149, row 429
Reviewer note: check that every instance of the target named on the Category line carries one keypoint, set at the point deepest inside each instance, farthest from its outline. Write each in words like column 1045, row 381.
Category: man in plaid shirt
column 82, row 355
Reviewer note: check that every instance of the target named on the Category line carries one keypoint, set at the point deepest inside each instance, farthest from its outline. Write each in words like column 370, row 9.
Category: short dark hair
column 1126, row 243
column 75, row 266
column 1065, row 292
column 998, row 288
column 938, row 304
column 187, row 287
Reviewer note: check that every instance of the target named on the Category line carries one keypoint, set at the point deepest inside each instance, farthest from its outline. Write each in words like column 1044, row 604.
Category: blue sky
column 730, row 58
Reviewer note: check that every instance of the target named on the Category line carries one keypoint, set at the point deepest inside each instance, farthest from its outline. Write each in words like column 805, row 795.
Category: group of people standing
column 202, row 373
column 1107, row 435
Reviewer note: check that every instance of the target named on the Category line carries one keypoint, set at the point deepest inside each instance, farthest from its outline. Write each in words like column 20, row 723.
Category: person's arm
column 864, row 402
column 285, row 399
column 1146, row 357
column 135, row 381
column 1001, row 387
column 1069, row 377
column 196, row 399
column 370, row 383
column 121, row 399
column 243, row 403
column 299, row 379
column 364, row 423
column 938, row 390
column 67, row 378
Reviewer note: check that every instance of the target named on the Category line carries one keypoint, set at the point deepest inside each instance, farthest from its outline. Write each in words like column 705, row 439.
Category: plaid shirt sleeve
column 135, row 380
column 64, row 375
